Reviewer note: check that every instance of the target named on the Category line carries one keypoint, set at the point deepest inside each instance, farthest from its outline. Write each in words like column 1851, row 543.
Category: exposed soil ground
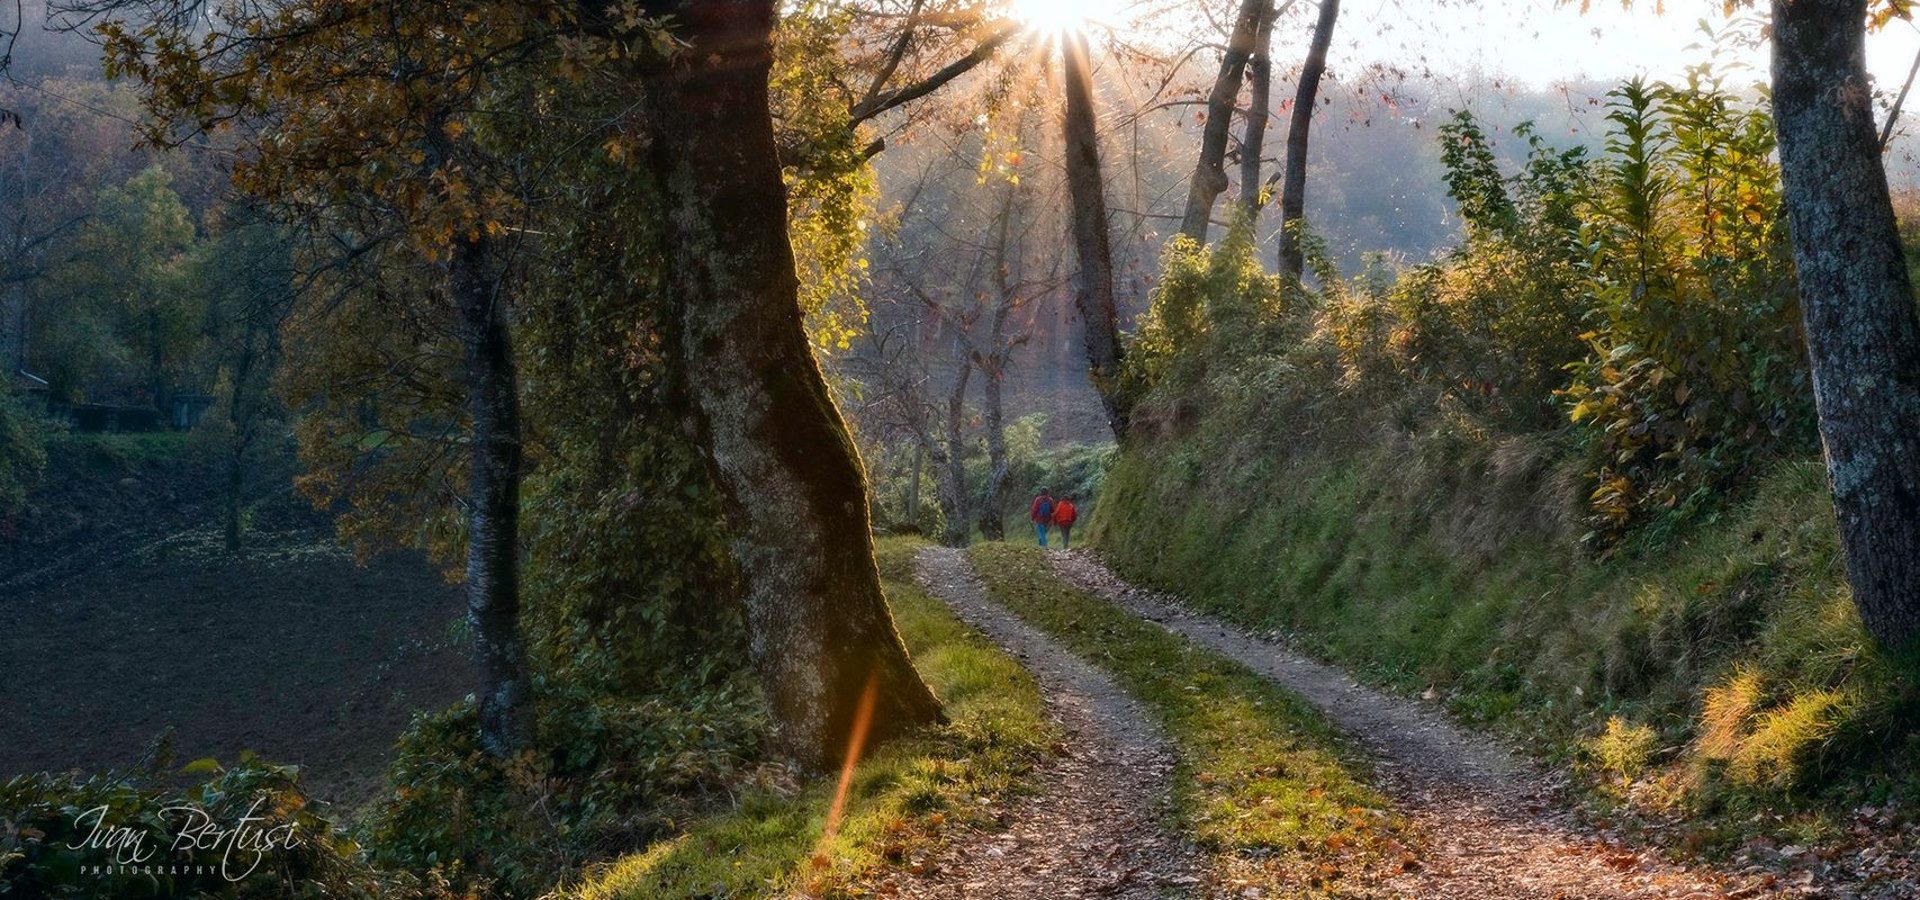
column 1495, row 826
column 1098, row 828
column 289, row 650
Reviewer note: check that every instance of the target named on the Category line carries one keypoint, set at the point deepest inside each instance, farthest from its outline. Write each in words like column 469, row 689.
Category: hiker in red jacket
column 1064, row 516
column 1042, row 514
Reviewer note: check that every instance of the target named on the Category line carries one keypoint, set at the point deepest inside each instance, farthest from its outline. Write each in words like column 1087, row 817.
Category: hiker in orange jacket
column 1064, row 515
column 1042, row 514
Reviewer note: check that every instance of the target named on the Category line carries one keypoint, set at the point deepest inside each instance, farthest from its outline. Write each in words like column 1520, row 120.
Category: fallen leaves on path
column 1097, row 827
column 1493, row 826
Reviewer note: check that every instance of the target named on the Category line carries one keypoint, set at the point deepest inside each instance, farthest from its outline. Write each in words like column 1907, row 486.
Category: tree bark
column 241, row 411
column 1259, row 110
column 493, row 479
column 913, row 485
column 1093, row 285
column 1293, row 188
column 1006, row 260
column 993, row 495
column 1210, row 171
column 953, row 471
column 820, row 629
column 493, row 499
column 1863, row 340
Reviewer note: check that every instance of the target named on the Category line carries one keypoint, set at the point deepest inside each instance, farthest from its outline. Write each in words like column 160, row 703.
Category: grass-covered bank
column 1710, row 666
column 1264, row 785
column 904, row 799
column 1566, row 474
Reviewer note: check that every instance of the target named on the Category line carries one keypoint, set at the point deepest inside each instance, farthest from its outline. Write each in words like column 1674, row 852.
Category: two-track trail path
column 1099, row 825
column 1495, row 827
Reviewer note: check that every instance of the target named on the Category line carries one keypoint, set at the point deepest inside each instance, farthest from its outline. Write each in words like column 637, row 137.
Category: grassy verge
column 1265, row 785
column 903, row 801
column 1713, row 669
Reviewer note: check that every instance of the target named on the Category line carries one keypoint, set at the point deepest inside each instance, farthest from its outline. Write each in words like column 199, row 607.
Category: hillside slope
column 1714, row 666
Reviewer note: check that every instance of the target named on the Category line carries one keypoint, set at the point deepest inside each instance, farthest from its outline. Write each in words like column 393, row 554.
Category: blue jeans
column 1040, row 528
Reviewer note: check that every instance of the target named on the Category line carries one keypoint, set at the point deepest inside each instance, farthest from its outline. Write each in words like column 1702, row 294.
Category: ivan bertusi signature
column 241, row 845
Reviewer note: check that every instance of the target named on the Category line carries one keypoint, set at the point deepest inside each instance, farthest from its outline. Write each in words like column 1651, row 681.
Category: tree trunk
column 953, row 474
column 1093, row 285
column 913, row 485
column 1293, row 188
column 240, row 434
column 1863, row 340
column 493, row 500
column 1210, row 172
column 1259, row 109
column 1008, row 263
column 993, row 496
column 820, row 630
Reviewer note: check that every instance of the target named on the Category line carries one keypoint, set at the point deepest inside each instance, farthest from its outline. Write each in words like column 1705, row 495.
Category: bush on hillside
column 1412, row 470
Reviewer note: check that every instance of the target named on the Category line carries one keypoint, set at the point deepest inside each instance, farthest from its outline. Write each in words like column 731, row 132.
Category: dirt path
column 1097, row 827
column 1495, row 826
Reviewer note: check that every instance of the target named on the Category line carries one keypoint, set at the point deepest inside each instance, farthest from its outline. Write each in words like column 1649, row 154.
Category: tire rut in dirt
column 1097, row 827
column 1494, row 825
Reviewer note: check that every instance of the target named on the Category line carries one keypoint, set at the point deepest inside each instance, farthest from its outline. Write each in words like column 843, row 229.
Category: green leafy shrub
column 609, row 775
column 1696, row 364
column 23, row 456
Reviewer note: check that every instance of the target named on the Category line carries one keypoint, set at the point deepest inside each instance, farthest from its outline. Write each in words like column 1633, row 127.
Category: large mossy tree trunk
column 493, row 499
column 1209, row 178
column 1086, row 189
column 1863, row 340
column 820, row 630
column 1293, row 185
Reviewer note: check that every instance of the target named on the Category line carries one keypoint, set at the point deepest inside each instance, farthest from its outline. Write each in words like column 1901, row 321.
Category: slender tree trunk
column 1093, row 286
column 1007, row 265
column 1293, row 188
column 240, row 434
column 1862, row 336
column 913, row 484
column 493, row 499
column 820, row 630
column 1259, row 109
column 993, row 496
column 493, row 481
column 236, row 483
column 1210, row 172
column 953, row 475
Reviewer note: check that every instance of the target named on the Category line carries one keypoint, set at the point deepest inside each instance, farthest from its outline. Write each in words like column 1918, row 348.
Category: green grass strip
column 904, row 798
column 1264, row 784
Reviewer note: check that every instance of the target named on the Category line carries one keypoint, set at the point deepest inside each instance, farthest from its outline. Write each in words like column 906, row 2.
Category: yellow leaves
column 619, row 150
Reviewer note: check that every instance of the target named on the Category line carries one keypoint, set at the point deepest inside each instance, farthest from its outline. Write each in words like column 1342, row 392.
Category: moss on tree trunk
column 1863, row 340
column 819, row 625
